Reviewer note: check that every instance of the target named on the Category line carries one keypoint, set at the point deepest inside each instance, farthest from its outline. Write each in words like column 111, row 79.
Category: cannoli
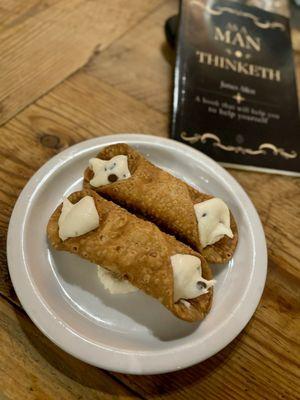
column 134, row 250
column 123, row 175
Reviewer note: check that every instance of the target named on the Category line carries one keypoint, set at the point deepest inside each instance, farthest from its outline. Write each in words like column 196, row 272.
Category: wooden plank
column 43, row 50
column 253, row 366
column 83, row 107
column 147, row 59
column 79, row 109
column 14, row 12
column 33, row 367
column 263, row 362
column 274, row 197
column 268, row 350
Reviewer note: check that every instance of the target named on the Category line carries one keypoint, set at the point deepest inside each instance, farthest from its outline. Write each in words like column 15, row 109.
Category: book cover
column 235, row 94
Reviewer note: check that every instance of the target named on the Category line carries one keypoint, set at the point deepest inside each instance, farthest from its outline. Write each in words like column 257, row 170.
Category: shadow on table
column 97, row 379
column 181, row 381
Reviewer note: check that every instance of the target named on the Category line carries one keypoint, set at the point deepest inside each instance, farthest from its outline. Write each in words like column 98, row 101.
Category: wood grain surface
column 71, row 70
column 42, row 50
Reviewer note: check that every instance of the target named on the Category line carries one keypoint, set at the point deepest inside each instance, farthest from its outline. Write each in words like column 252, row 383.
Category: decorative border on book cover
column 221, row 10
column 216, row 142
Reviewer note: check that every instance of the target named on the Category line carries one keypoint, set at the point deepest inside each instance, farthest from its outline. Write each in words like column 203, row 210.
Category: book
column 235, row 95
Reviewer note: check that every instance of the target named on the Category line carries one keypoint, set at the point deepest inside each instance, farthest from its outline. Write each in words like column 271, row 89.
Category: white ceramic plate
column 130, row 333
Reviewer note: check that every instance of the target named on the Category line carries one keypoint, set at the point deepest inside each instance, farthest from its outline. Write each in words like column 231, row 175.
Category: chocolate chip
column 204, row 215
column 201, row 285
column 112, row 166
column 112, row 178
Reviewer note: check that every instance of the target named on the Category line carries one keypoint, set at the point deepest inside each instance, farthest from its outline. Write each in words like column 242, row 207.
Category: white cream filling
column 213, row 219
column 77, row 219
column 114, row 285
column 187, row 275
column 106, row 172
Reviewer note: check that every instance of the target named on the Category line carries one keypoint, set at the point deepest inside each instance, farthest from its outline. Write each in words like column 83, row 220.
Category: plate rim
column 141, row 362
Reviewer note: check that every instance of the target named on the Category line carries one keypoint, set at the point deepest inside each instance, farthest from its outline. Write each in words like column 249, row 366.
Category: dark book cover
column 235, row 94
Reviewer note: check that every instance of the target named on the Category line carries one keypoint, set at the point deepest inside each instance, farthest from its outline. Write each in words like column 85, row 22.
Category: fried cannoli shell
column 134, row 249
column 164, row 199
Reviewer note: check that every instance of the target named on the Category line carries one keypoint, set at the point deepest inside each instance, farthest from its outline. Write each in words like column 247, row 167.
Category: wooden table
column 74, row 69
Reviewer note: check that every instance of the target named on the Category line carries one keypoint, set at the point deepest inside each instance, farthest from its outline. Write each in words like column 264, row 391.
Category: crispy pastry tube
column 133, row 249
column 162, row 198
